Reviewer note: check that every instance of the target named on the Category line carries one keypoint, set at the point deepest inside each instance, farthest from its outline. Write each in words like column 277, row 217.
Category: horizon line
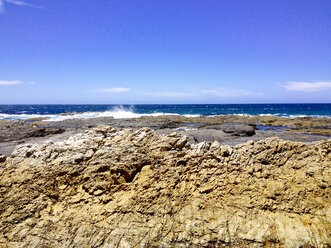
column 158, row 103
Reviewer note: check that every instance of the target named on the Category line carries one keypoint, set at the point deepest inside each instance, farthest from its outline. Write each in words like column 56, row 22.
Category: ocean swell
column 65, row 112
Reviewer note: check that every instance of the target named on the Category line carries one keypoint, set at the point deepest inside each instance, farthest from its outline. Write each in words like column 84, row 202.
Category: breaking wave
column 65, row 112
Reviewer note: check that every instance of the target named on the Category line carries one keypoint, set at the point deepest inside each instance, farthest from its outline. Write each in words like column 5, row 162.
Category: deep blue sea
column 53, row 112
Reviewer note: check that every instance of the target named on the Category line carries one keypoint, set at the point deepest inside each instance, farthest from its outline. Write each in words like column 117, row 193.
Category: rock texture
column 126, row 188
column 218, row 132
column 20, row 130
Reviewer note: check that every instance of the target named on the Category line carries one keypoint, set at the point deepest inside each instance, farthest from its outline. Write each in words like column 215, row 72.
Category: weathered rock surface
column 197, row 136
column 235, row 130
column 17, row 130
column 215, row 132
column 2, row 158
column 126, row 188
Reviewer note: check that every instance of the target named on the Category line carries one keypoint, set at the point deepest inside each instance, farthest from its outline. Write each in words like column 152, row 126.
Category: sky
column 169, row 51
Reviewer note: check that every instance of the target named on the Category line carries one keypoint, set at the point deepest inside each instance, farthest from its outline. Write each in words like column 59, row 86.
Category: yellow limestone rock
column 127, row 188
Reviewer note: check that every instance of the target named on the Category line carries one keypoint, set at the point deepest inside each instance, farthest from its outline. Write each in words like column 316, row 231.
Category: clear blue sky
column 183, row 51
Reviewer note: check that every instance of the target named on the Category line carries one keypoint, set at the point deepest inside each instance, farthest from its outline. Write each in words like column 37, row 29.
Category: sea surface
column 57, row 112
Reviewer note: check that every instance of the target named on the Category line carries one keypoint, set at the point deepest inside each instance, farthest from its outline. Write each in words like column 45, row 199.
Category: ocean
column 55, row 112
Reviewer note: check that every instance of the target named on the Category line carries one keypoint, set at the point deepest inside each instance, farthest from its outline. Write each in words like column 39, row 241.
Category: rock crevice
column 127, row 188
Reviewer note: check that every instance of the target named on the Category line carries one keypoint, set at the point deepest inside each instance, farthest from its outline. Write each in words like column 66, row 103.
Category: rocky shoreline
column 228, row 130
column 125, row 185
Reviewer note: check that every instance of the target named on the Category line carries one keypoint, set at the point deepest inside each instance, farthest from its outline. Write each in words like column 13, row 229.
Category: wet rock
column 219, row 133
column 197, row 136
column 171, row 124
column 2, row 158
column 241, row 130
column 18, row 130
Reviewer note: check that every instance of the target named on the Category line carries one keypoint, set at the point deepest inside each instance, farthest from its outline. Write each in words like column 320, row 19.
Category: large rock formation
column 126, row 188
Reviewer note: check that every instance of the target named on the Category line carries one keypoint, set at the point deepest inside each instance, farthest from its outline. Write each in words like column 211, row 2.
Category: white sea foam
column 190, row 115
column 122, row 113
column 247, row 115
column 23, row 116
column 185, row 129
column 117, row 114
column 243, row 115
column 295, row 116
